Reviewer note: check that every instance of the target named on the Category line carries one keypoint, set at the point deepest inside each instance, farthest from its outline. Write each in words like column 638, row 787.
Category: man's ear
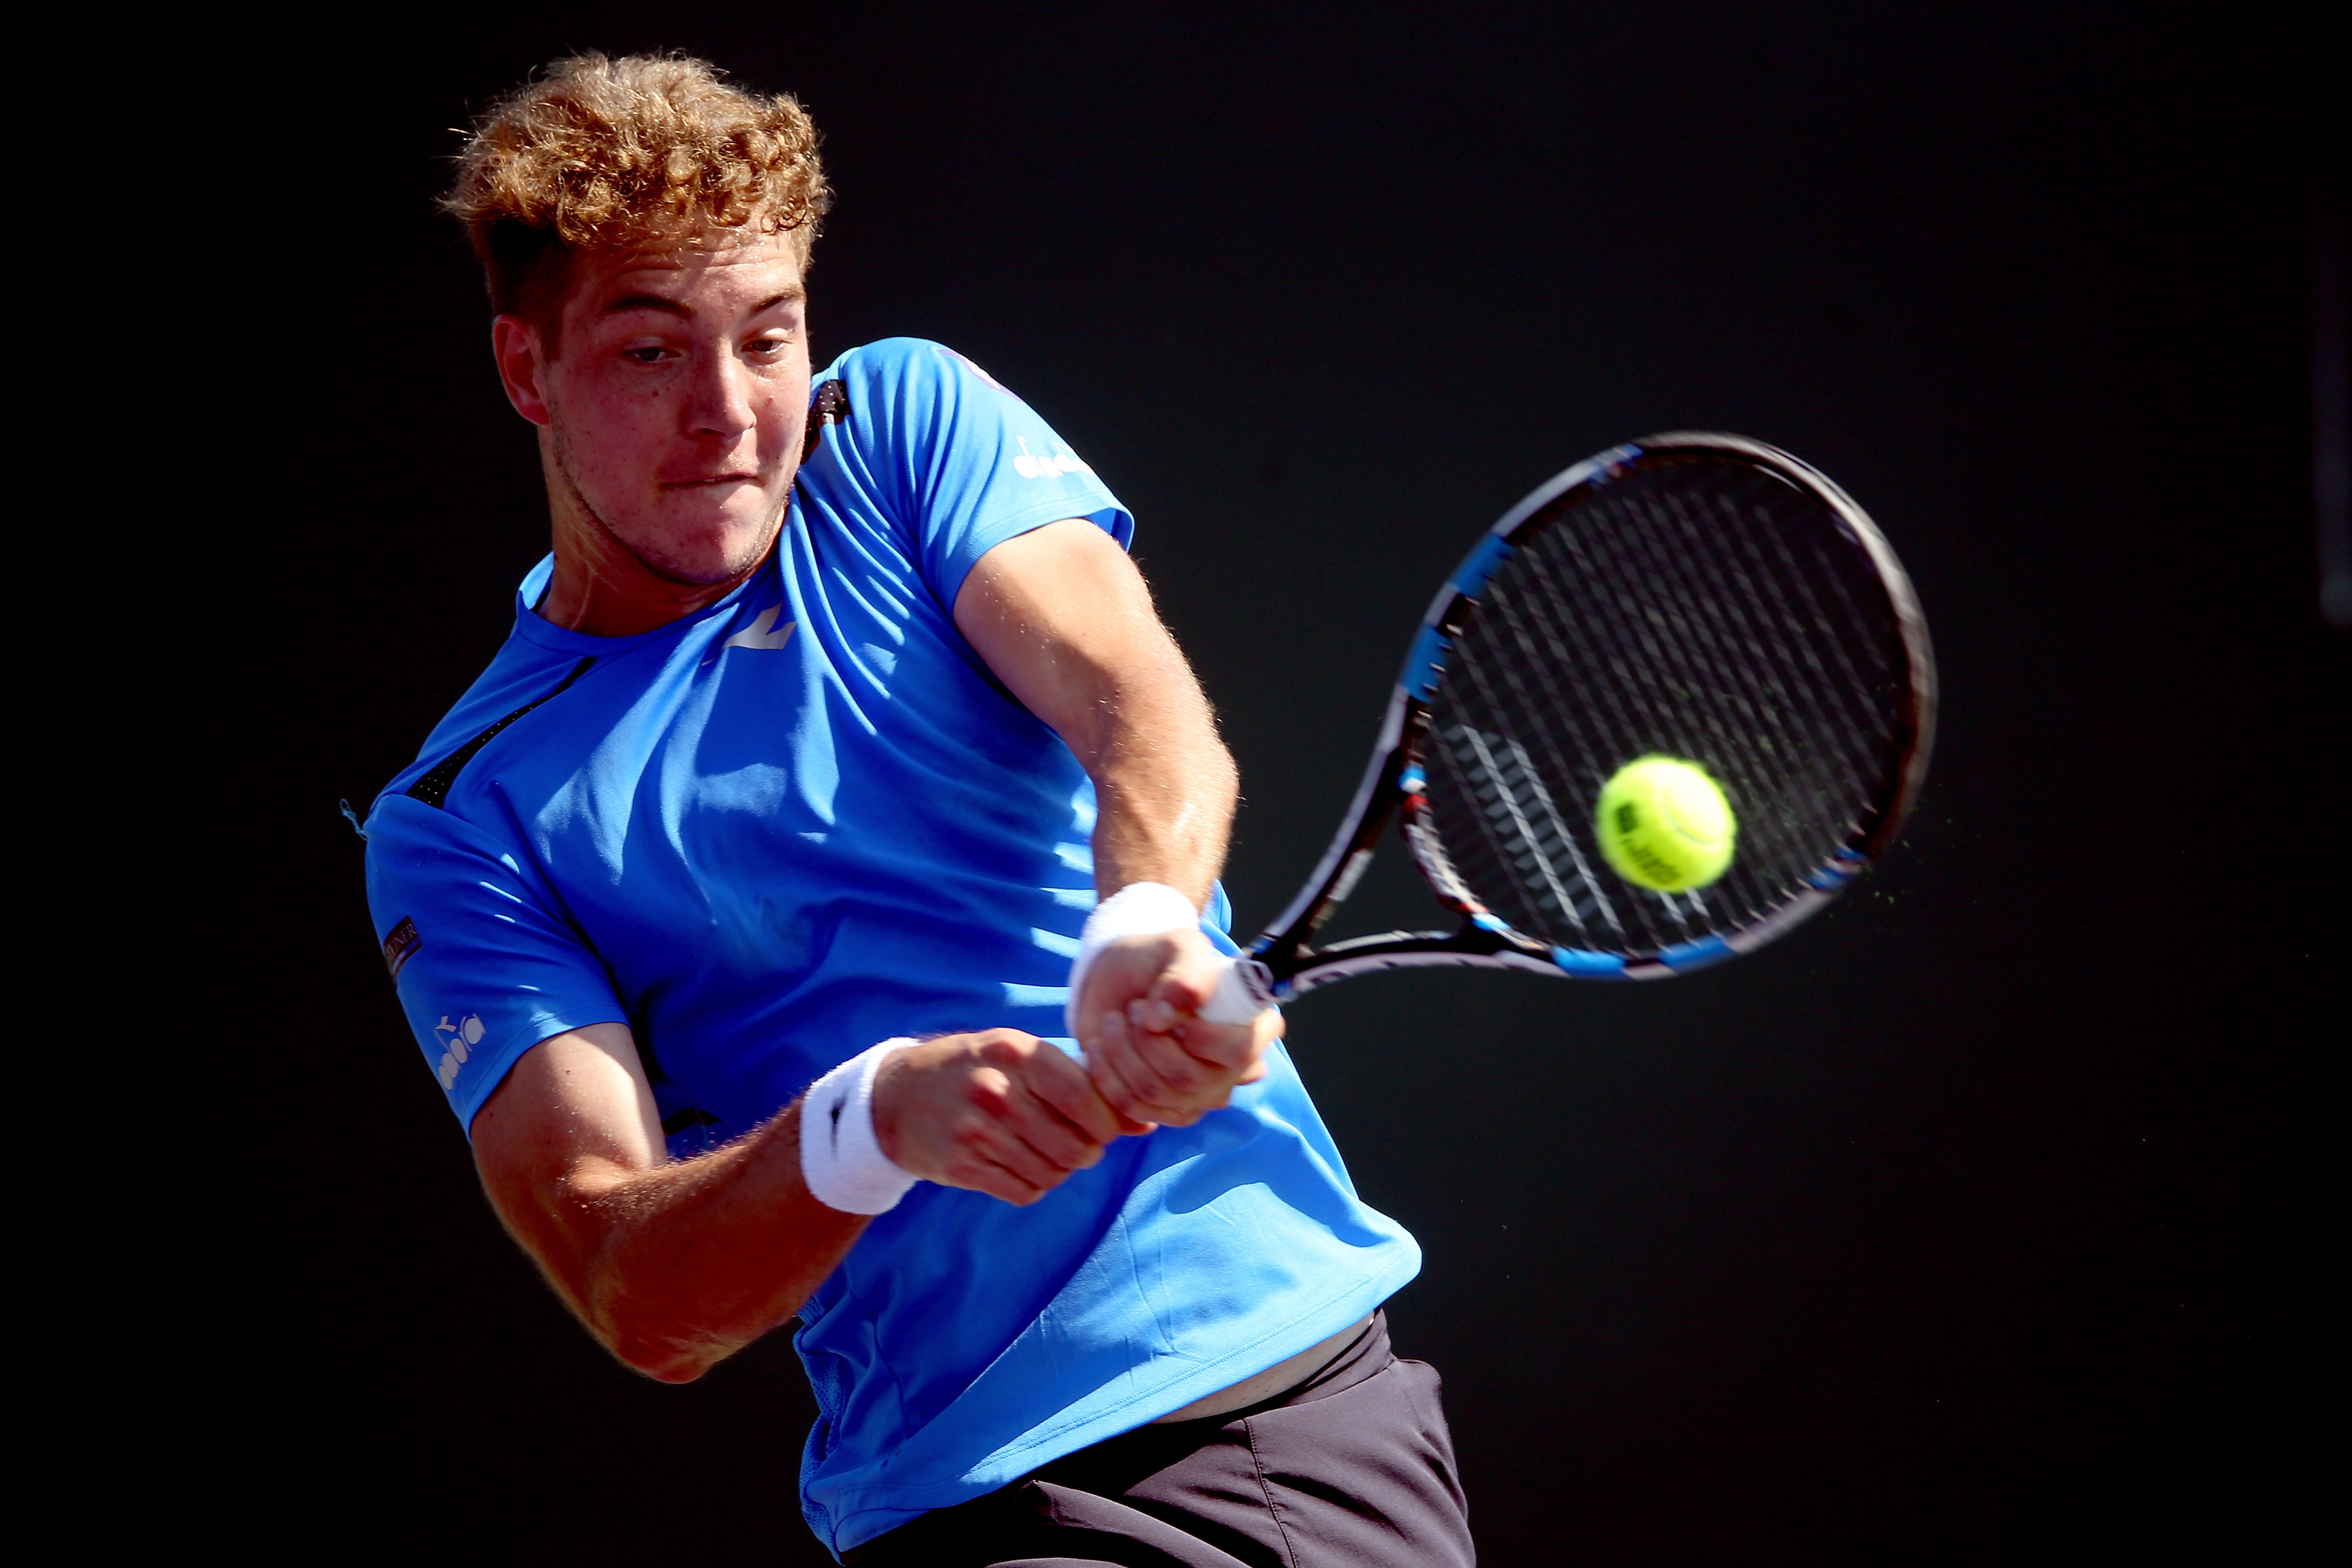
column 516, row 345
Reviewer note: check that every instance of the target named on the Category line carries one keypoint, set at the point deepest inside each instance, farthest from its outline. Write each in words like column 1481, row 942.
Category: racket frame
column 1281, row 963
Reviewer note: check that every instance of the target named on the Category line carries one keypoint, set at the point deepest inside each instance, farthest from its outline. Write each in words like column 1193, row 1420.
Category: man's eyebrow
column 646, row 303
column 671, row 306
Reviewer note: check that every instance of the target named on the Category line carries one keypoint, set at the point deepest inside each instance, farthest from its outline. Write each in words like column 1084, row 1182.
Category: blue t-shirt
column 807, row 818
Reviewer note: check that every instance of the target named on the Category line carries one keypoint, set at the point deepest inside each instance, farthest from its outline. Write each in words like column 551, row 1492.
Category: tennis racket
column 1697, row 595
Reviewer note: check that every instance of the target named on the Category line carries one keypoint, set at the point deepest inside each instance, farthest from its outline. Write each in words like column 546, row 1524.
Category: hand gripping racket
column 1701, row 596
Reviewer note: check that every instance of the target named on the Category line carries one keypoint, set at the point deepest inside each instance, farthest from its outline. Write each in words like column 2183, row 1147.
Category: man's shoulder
column 910, row 362
column 520, row 679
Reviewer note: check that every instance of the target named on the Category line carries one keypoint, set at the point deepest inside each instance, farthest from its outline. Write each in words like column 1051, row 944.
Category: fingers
column 1013, row 1133
column 1005, row 1113
column 1264, row 1030
column 1150, row 1075
column 1063, row 1088
column 1189, row 977
column 1122, row 972
column 1149, row 1053
column 1048, row 1103
column 1176, row 972
column 999, row 1112
column 1119, row 1076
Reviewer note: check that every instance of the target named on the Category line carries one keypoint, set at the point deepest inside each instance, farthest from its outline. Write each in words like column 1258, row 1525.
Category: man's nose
column 720, row 404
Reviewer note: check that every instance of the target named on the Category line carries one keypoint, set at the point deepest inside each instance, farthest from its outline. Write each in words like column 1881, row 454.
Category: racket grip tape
column 1245, row 989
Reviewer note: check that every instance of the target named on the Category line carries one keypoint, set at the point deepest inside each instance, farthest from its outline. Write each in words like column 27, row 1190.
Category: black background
column 1975, row 1222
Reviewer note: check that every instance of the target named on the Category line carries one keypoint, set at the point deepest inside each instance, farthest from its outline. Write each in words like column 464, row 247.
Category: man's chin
column 699, row 569
column 720, row 556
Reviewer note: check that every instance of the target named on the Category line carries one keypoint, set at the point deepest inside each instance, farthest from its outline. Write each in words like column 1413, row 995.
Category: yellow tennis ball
column 1664, row 824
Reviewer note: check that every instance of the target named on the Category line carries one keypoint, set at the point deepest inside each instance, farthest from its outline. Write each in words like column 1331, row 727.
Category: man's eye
column 644, row 356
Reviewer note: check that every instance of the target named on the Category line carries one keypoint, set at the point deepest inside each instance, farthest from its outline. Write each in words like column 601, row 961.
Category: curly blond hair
column 597, row 152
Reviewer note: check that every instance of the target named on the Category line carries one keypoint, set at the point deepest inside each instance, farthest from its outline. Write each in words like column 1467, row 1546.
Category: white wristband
column 1147, row 908
column 841, row 1160
column 1140, row 908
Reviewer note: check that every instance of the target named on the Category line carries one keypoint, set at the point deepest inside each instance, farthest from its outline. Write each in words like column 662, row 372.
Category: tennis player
column 738, row 904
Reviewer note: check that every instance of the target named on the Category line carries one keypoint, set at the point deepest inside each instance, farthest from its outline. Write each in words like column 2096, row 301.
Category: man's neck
column 601, row 588
column 593, row 592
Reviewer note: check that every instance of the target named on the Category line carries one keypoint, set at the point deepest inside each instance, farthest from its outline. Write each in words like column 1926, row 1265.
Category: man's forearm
column 1064, row 619
column 674, row 1266
column 1165, row 789
column 671, row 1266
column 704, row 1256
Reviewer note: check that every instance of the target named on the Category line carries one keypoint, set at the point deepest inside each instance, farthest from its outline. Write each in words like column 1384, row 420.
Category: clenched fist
column 999, row 1113
column 1152, row 1059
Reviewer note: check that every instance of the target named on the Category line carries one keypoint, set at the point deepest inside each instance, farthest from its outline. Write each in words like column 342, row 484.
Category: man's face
column 675, row 414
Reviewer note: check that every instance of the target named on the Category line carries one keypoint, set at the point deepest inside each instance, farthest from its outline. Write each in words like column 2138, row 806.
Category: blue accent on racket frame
column 1588, row 966
column 1836, row 872
column 1605, row 466
column 1685, row 956
column 1470, row 577
column 1489, row 922
column 1411, row 780
column 1425, row 663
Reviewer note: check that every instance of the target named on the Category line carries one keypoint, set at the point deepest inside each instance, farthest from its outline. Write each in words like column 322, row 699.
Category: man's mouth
column 704, row 481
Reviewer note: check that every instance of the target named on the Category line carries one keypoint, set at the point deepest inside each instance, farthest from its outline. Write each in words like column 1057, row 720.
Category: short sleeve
column 960, row 461
column 485, row 966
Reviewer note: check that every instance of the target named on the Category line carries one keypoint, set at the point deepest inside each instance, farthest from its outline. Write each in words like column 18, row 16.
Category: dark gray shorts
column 1352, row 1468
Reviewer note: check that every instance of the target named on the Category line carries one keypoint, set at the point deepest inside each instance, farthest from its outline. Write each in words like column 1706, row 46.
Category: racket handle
column 1245, row 989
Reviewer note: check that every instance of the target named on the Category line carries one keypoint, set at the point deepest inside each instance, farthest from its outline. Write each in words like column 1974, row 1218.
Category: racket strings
column 1762, row 592
column 1703, row 609
column 1529, row 684
column 1664, row 640
column 1697, row 658
column 1862, row 713
column 1743, row 599
column 1765, row 736
column 1525, row 684
column 1526, row 822
column 1692, row 672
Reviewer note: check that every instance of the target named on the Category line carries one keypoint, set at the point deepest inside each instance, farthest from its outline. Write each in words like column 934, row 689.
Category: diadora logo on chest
column 764, row 633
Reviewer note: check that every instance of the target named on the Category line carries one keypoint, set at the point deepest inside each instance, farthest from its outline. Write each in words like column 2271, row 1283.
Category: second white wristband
column 841, row 1159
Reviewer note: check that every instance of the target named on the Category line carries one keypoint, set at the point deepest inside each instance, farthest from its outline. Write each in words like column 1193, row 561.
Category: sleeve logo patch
column 460, row 1038
column 1030, row 466
column 397, row 947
